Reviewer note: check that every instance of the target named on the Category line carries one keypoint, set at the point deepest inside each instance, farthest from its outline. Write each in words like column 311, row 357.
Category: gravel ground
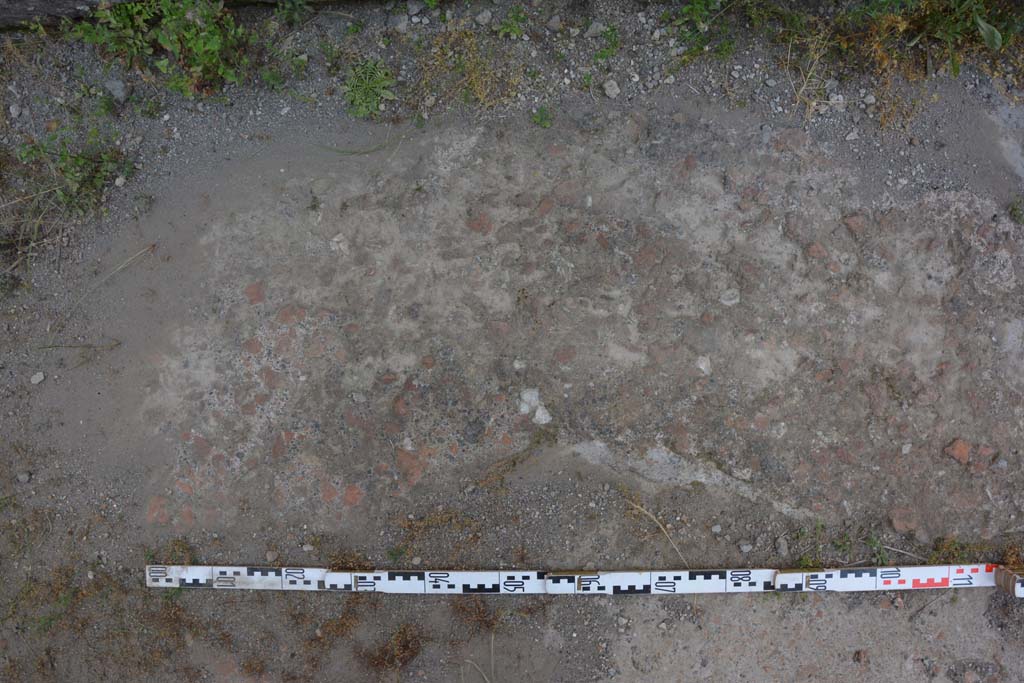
column 790, row 332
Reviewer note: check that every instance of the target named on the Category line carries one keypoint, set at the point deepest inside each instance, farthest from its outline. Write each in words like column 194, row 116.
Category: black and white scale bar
column 658, row 582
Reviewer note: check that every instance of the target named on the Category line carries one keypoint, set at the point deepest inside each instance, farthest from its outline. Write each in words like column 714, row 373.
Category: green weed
column 292, row 12
column 122, row 31
column 367, row 85
column 886, row 30
column 879, row 557
column 612, row 43
column 64, row 601
column 725, row 49
column 79, row 174
column 843, row 544
column 953, row 551
column 513, row 25
column 542, row 117
column 334, row 56
column 1016, row 210
column 196, row 42
column 272, row 77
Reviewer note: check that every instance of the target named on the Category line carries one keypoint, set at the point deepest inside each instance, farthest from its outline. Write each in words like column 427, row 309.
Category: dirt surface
column 312, row 345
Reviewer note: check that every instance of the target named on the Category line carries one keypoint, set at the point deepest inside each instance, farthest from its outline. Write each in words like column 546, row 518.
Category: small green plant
column 1016, row 210
column 542, row 117
column 367, row 85
column 432, row 4
column 843, row 544
column 725, row 49
column 272, row 77
column 334, row 56
column 513, row 25
column 354, row 27
column 64, row 601
column 588, row 81
column 879, row 556
column 612, row 43
column 105, row 105
column 292, row 12
column 953, row 551
column 695, row 17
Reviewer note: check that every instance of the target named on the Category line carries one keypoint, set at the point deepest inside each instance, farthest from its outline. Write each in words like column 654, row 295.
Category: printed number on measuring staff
column 965, row 580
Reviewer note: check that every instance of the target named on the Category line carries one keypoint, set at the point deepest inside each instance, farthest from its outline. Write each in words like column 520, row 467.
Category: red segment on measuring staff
column 930, row 583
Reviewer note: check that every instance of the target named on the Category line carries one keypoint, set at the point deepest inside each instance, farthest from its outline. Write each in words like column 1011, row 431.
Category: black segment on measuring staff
column 782, row 587
column 707, row 575
column 481, row 588
column 263, row 571
column 858, row 573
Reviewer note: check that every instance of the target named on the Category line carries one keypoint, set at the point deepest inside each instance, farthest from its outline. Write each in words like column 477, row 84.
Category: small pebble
column 272, row 556
column 484, row 17
column 611, row 89
column 38, row 377
column 716, row 529
column 416, row 561
column 730, row 297
column 24, row 477
column 746, row 548
column 308, row 548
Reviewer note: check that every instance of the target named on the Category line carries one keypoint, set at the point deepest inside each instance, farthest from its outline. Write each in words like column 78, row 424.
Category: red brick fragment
column 254, row 293
column 959, row 450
